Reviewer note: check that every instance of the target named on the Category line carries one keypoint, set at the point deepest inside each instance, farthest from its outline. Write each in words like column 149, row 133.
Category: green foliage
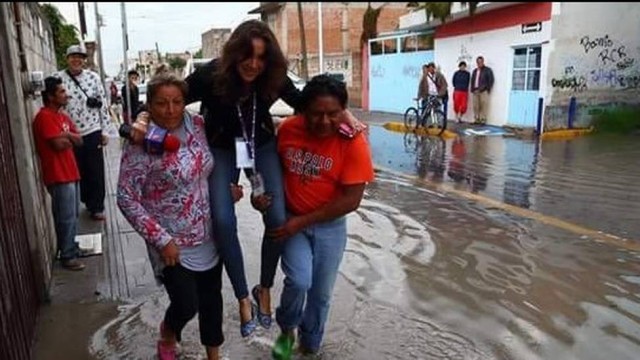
column 64, row 35
column 177, row 63
column 198, row 54
column 622, row 120
column 441, row 10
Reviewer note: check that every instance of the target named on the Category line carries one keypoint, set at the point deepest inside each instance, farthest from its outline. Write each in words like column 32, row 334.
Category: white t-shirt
column 431, row 82
column 87, row 120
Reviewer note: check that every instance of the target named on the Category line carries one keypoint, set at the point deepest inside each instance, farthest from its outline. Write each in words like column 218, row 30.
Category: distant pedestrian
column 133, row 101
column 461, row 80
column 87, row 107
column 481, row 84
column 55, row 136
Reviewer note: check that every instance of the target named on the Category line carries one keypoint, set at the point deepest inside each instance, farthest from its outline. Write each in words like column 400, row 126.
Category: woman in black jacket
column 237, row 92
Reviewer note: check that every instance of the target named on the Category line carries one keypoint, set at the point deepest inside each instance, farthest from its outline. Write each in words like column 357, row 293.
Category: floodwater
column 431, row 274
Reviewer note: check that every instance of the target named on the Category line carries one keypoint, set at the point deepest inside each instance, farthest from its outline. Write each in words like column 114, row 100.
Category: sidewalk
column 113, row 307
column 81, row 302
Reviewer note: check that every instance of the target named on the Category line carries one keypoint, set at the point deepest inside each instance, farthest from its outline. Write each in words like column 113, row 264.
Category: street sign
column 532, row 27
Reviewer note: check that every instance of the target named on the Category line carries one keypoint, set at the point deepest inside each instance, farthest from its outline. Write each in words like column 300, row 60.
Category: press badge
column 244, row 157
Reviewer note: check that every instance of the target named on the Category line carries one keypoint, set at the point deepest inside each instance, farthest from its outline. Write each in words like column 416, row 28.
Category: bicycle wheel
column 437, row 120
column 411, row 118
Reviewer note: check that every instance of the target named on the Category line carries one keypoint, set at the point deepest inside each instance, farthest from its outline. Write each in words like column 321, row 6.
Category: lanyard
column 250, row 141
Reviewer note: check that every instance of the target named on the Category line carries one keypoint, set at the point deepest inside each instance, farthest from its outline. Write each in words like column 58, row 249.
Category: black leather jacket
column 221, row 119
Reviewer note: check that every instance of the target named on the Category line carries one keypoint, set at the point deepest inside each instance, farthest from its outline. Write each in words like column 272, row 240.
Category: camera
column 94, row 103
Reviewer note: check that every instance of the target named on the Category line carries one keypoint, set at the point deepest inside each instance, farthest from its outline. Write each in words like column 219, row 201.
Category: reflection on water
column 564, row 179
column 428, row 276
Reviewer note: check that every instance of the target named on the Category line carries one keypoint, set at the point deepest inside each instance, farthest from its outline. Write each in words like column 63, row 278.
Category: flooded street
column 432, row 274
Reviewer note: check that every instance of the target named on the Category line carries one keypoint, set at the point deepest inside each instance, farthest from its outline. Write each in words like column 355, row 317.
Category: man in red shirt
column 325, row 174
column 55, row 136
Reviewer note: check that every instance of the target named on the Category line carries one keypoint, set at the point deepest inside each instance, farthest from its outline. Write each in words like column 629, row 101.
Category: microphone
column 156, row 140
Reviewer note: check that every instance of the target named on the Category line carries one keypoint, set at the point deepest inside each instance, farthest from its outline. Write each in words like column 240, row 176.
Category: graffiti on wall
column 606, row 64
column 464, row 55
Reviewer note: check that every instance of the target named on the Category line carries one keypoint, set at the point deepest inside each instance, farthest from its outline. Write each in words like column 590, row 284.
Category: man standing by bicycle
column 433, row 83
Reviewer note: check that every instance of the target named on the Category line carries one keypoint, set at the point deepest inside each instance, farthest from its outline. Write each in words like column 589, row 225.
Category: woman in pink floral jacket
column 165, row 197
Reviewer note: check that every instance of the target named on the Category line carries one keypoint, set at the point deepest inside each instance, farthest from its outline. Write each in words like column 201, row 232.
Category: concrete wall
column 496, row 46
column 39, row 54
column 595, row 57
column 394, row 79
column 213, row 41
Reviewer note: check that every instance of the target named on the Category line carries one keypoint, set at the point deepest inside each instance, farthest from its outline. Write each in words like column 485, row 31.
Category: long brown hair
column 239, row 47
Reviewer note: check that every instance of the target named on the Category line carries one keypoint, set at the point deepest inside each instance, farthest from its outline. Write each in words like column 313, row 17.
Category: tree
column 370, row 24
column 64, row 35
column 177, row 63
column 304, row 63
column 441, row 10
column 198, row 54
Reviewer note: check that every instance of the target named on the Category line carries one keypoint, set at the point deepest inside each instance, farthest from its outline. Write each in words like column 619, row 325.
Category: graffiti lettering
column 577, row 84
column 569, row 70
column 590, row 44
column 629, row 81
column 464, row 55
column 612, row 78
column 625, row 63
column 608, row 56
column 411, row 71
column 377, row 71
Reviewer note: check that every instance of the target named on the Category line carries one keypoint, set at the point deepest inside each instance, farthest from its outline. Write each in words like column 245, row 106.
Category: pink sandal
column 165, row 351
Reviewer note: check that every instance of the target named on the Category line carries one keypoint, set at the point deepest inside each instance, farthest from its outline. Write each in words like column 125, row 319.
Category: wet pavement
column 432, row 274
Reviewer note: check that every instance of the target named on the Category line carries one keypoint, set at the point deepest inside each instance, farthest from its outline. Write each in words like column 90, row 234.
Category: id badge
column 257, row 184
column 243, row 157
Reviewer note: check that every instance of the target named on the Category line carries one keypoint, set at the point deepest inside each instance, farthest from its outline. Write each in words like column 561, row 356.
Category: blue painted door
column 525, row 86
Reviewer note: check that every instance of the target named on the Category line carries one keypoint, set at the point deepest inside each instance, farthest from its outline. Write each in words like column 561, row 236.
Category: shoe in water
column 283, row 348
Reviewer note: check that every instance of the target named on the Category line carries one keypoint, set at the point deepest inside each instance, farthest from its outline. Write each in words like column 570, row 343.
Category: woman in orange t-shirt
column 325, row 174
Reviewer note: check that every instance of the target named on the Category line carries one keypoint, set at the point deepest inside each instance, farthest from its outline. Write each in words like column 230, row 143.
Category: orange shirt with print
column 316, row 169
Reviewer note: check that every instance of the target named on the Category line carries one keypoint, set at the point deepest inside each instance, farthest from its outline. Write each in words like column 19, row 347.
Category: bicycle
column 428, row 116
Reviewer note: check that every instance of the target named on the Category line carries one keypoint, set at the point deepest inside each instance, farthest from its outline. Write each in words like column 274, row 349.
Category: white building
column 541, row 54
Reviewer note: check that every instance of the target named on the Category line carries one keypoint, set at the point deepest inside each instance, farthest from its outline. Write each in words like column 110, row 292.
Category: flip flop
column 264, row 319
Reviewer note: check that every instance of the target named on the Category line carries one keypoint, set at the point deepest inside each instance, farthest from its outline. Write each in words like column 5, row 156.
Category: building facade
column 27, row 238
column 341, row 31
column 213, row 41
column 544, row 56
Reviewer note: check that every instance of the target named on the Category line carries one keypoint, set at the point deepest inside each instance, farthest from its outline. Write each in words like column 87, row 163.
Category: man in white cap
column 87, row 107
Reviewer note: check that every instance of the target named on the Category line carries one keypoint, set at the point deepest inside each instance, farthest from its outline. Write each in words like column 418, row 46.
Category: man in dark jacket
column 433, row 83
column 481, row 84
column 133, row 101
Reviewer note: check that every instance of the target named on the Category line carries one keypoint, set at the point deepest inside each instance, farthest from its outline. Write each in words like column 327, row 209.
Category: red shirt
column 317, row 169
column 58, row 166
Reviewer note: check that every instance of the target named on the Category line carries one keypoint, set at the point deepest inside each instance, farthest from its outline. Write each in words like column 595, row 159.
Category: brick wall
column 342, row 29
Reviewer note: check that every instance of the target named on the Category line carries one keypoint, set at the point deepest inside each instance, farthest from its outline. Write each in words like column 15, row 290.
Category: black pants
column 91, row 165
column 191, row 292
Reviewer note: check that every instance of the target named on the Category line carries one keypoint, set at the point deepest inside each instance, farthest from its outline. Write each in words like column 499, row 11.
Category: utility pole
column 320, row 47
column 125, row 47
column 99, row 48
column 304, row 68
column 83, row 23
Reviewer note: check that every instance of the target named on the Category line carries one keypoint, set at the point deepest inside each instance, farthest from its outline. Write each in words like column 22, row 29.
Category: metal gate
column 18, row 296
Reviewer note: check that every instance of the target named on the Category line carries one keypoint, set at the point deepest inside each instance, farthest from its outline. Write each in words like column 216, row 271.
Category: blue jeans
column 224, row 216
column 64, row 206
column 310, row 262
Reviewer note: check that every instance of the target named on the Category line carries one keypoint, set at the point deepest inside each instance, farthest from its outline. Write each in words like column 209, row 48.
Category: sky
column 176, row 27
